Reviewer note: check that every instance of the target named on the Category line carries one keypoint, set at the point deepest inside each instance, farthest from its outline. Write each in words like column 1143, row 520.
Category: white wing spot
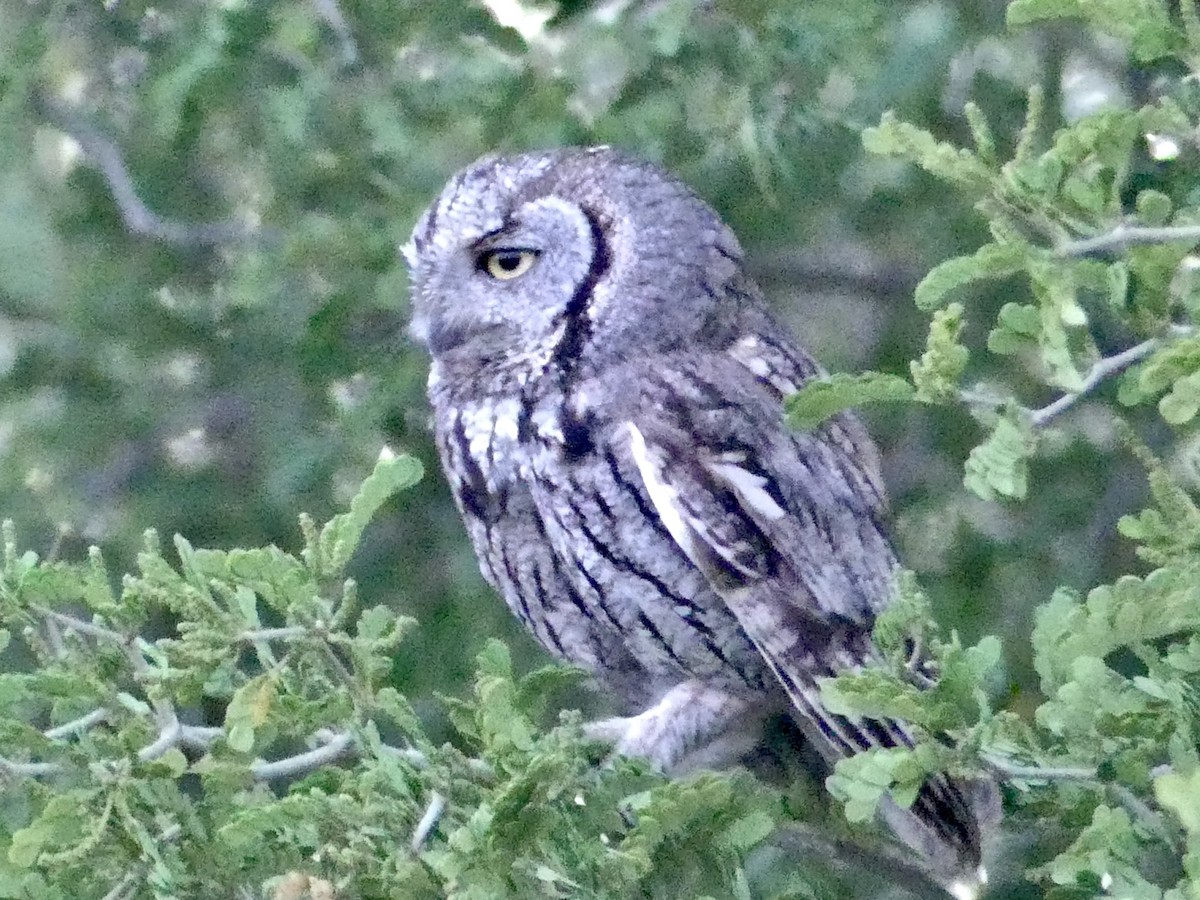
column 746, row 351
column 749, row 487
column 664, row 497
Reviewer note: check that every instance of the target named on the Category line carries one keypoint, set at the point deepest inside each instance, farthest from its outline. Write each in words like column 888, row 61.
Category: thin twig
column 275, row 634
column 1011, row 770
column 170, row 730
column 200, row 737
column 28, row 769
column 478, row 767
column 103, row 153
column 1127, row 235
column 1134, row 805
column 340, row 745
column 335, row 745
column 1103, row 369
column 168, row 736
column 82, row 626
column 433, row 812
column 331, row 13
column 77, row 726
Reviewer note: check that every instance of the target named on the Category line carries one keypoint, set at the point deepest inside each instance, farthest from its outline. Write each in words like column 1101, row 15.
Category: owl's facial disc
column 514, row 284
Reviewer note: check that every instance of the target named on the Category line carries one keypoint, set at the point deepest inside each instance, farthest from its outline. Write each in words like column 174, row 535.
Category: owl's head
column 565, row 256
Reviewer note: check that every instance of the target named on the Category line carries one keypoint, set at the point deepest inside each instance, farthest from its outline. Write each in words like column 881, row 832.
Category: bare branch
column 433, row 812
column 168, row 737
column 103, row 153
column 1134, row 805
column 71, row 623
column 1098, row 373
column 275, row 634
column 1010, row 770
column 28, row 769
column 340, row 745
column 170, row 730
column 332, row 15
column 200, row 737
column 1105, row 368
column 1127, row 235
column 77, row 726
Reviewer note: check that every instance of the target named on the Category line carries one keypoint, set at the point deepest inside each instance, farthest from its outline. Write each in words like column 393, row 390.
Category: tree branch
column 77, row 726
column 429, row 819
column 332, row 15
column 1134, row 805
column 1098, row 373
column 286, row 633
column 104, row 154
column 1127, row 235
column 1102, row 370
column 1010, row 770
column 338, row 746
column 335, row 745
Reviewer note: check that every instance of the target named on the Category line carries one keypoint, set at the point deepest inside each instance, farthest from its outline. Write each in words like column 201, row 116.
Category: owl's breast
column 623, row 563
column 489, row 433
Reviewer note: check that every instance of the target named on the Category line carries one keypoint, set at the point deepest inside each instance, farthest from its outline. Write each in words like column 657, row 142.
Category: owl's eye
column 506, row 263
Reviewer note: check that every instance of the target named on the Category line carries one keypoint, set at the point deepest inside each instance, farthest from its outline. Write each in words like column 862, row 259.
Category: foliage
column 200, row 306
column 1116, row 738
column 109, row 783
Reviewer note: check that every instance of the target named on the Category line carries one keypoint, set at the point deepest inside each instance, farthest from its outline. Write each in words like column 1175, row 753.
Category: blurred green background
column 202, row 309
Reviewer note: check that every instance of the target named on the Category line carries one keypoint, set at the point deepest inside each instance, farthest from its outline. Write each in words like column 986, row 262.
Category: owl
column 607, row 387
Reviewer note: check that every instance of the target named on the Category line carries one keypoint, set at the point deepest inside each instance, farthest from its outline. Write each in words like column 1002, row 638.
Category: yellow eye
column 506, row 264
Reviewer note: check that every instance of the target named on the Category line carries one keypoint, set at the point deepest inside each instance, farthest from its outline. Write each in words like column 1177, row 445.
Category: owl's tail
column 946, row 823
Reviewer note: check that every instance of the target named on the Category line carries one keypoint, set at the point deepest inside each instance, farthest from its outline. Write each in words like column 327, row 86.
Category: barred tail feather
column 946, row 821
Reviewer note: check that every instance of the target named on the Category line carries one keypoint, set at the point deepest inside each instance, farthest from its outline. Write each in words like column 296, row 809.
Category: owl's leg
column 695, row 725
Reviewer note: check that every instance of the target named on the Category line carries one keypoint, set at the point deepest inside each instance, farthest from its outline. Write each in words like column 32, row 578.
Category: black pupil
column 508, row 262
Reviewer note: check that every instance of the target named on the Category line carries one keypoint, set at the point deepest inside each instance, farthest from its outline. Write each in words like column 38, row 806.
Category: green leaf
column 1018, row 326
column 1129, row 612
column 1108, row 849
column 502, row 726
column 999, row 466
column 1181, row 795
column 60, row 823
column 747, row 832
column 1169, row 532
column 1181, row 403
column 397, row 708
column 893, row 137
column 991, row 261
column 907, row 619
column 861, row 781
column 248, row 710
column 937, row 373
column 1144, row 23
column 339, row 537
column 1154, row 207
column 819, row 399
column 1055, row 288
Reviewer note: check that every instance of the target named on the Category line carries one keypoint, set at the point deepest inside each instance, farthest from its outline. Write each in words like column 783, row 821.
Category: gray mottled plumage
column 607, row 388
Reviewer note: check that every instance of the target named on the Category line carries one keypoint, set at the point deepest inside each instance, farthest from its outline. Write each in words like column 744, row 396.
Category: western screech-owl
column 607, row 385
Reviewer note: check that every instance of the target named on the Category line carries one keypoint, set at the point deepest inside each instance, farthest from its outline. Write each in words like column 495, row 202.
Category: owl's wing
column 787, row 529
column 796, row 518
